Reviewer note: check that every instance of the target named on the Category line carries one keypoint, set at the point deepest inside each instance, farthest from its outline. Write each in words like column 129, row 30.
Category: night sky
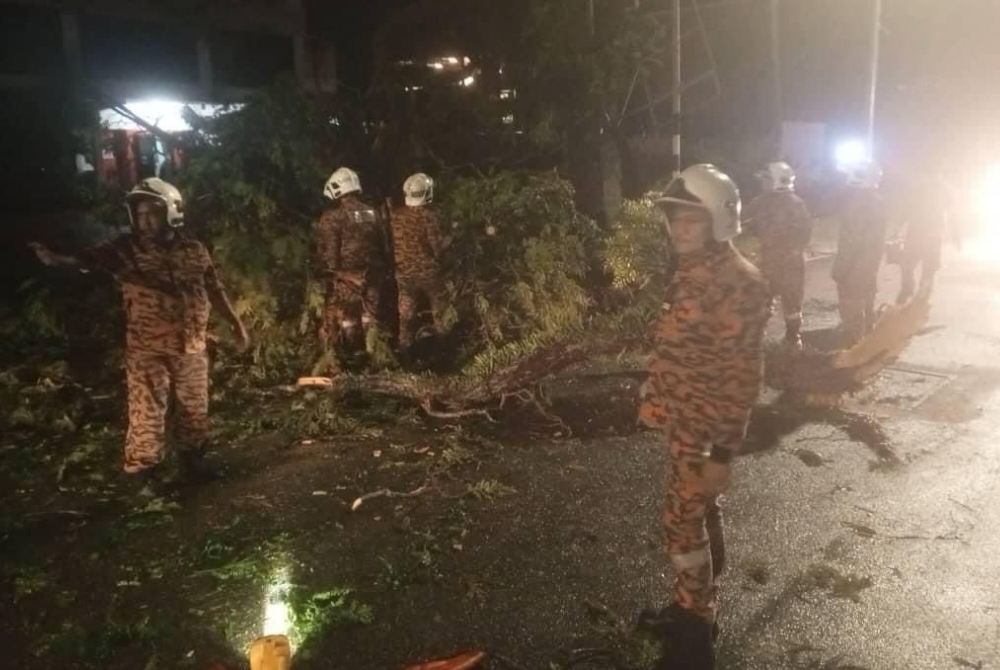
column 938, row 67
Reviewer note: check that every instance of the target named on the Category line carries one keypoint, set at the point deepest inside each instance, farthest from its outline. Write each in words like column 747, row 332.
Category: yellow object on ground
column 272, row 652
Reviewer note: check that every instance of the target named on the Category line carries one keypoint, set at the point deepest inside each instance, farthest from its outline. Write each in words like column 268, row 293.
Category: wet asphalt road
column 848, row 565
column 836, row 560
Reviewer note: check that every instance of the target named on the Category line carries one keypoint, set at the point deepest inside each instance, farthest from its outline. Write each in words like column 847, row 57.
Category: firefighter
column 417, row 245
column 860, row 247
column 783, row 226
column 925, row 226
column 354, row 252
column 704, row 377
column 169, row 285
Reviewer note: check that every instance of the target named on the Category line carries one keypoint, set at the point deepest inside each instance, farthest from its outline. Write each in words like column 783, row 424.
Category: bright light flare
column 986, row 199
column 277, row 620
column 985, row 204
column 277, row 615
column 850, row 153
column 167, row 115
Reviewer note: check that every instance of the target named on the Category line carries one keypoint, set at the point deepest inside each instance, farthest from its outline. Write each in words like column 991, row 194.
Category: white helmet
column 866, row 175
column 342, row 182
column 711, row 189
column 164, row 192
column 418, row 189
column 779, row 176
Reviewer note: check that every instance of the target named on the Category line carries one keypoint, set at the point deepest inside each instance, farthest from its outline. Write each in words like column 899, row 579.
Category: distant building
column 149, row 59
column 218, row 51
column 415, row 74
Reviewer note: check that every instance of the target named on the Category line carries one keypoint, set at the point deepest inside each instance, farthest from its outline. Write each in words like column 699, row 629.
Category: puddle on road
column 900, row 389
column 610, row 407
column 769, row 424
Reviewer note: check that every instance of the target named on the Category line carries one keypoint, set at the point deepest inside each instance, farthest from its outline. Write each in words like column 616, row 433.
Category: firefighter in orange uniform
column 860, row 248
column 704, row 378
column 417, row 243
column 783, row 226
column 169, row 285
column 354, row 251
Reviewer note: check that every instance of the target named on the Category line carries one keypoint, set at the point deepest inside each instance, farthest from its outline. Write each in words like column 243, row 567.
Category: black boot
column 196, row 469
column 904, row 295
column 793, row 334
column 135, row 485
column 153, row 482
column 688, row 640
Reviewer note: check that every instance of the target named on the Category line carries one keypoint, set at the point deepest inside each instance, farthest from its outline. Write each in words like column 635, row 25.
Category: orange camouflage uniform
column 353, row 248
column 417, row 243
column 167, row 306
column 784, row 227
column 860, row 247
column 704, row 378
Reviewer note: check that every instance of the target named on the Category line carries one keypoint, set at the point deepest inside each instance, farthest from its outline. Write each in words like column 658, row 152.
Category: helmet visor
column 678, row 194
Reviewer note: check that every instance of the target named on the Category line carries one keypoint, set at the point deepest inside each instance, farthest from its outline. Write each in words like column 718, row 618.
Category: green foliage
column 157, row 512
column 38, row 319
column 569, row 74
column 58, row 308
column 101, row 644
column 518, row 261
column 489, row 489
column 637, row 254
column 254, row 185
column 520, row 268
column 637, row 257
column 314, row 415
column 567, row 77
column 312, row 614
column 29, row 580
column 43, row 399
column 457, row 455
column 391, row 577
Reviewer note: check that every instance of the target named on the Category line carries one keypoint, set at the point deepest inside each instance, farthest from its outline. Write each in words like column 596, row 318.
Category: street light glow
column 985, row 205
column 167, row 115
column 986, row 199
column 850, row 153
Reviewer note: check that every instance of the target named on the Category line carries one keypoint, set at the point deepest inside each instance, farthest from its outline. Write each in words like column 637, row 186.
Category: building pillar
column 205, row 79
column 303, row 64
column 72, row 48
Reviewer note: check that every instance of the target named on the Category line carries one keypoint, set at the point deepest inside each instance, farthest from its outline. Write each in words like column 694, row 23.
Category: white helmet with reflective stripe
column 779, row 176
column 418, row 189
column 711, row 189
column 342, row 182
column 156, row 189
column 866, row 175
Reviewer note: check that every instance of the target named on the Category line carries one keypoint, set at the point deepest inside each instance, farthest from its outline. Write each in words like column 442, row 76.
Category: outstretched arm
column 52, row 259
column 108, row 256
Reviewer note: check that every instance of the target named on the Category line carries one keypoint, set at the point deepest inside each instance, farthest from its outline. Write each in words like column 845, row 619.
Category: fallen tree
column 459, row 396
column 809, row 376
